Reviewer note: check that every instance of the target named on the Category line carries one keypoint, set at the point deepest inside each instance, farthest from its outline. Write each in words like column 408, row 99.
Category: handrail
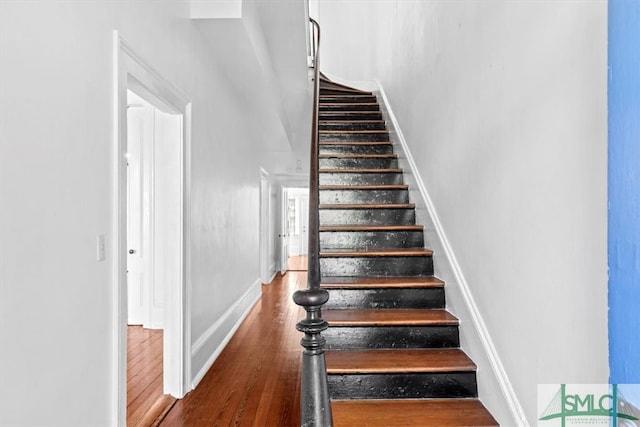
column 315, row 406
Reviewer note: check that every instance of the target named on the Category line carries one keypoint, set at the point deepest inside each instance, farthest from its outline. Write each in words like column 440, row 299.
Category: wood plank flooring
column 145, row 401
column 256, row 379
column 298, row 263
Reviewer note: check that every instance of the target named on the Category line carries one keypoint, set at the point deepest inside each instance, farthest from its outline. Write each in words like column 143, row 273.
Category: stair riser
column 356, row 149
column 349, row 107
column 348, row 99
column 422, row 298
column 403, row 386
column 377, row 266
column 364, row 196
column 354, row 136
column 360, row 178
column 367, row 217
column 351, row 125
column 386, row 337
column 345, row 115
column 371, row 239
column 364, row 163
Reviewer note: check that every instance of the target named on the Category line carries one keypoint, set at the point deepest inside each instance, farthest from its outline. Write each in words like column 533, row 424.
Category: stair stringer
column 494, row 387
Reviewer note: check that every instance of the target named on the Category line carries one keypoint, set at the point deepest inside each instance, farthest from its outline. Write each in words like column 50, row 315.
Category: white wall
column 503, row 105
column 56, row 324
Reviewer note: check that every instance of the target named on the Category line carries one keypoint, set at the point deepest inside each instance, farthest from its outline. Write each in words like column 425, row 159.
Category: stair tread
column 357, row 156
column 411, row 413
column 397, row 361
column 351, row 115
column 389, row 317
column 371, row 131
column 371, row 228
column 376, row 253
column 346, row 95
column 365, row 187
column 348, row 103
column 355, row 143
column 352, row 170
column 350, row 112
column 326, row 83
column 351, row 121
column 347, row 92
column 364, row 282
column 367, row 206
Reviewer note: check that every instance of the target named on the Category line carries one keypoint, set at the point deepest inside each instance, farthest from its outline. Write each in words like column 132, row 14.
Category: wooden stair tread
column 371, row 228
column 327, row 81
column 350, row 132
column 350, row 121
column 367, row 206
column 336, row 170
column 358, row 156
column 411, row 413
column 363, row 282
column 345, row 95
column 349, row 112
column 377, row 253
column 365, row 187
column 355, row 143
column 328, row 113
column 355, row 104
column 345, row 91
column 389, row 317
column 397, row 361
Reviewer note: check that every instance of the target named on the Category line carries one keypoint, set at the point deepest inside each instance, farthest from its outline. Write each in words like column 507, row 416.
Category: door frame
column 265, row 221
column 286, row 180
column 130, row 67
column 284, row 229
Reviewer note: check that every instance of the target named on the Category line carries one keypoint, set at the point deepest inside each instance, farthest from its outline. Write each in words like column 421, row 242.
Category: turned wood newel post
column 315, row 408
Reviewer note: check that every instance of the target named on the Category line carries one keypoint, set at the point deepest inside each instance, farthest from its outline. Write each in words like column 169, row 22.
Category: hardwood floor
column 146, row 404
column 298, row 263
column 256, row 379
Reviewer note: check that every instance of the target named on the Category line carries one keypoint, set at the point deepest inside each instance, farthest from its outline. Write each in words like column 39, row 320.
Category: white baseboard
column 423, row 200
column 215, row 339
column 274, row 271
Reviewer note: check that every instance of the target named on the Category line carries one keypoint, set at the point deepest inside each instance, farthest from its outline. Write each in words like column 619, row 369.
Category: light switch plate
column 100, row 254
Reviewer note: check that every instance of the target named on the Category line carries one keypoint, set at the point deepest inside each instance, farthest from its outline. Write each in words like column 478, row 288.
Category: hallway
column 255, row 380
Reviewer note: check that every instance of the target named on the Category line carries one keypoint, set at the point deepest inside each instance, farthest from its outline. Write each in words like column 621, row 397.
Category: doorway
column 151, row 228
column 296, row 220
column 153, row 236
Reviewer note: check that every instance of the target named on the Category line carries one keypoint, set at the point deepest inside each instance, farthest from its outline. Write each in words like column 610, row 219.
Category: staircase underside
column 393, row 356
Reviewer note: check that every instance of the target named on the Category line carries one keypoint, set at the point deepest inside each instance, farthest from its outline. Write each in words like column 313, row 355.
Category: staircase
column 393, row 355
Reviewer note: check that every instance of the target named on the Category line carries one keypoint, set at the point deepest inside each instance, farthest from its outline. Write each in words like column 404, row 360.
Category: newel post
column 315, row 407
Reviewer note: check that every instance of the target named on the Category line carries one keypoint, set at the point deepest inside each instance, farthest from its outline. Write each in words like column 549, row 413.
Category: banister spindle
column 315, row 406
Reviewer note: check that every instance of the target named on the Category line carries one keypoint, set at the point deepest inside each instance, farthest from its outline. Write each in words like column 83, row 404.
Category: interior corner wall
column 504, row 108
column 624, row 191
column 56, row 115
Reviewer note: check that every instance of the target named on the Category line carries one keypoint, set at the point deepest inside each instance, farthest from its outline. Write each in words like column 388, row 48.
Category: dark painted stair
column 393, row 355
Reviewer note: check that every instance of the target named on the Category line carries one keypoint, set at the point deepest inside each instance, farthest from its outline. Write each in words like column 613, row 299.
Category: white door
column 303, row 214
column 284, row 231
column 136, row 297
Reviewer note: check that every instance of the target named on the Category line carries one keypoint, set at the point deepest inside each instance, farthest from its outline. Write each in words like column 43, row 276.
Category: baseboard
column 274, row 271
column 211, row 343
column 431, row 220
